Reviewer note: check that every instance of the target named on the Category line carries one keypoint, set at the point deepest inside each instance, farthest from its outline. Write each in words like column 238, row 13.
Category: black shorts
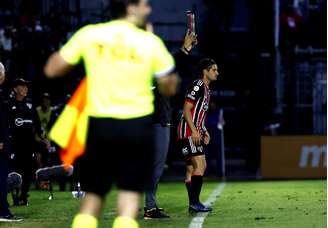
column 187, row 147
column 118, row 151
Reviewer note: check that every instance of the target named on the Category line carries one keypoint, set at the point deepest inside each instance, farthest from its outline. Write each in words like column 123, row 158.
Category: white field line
column 198, row 220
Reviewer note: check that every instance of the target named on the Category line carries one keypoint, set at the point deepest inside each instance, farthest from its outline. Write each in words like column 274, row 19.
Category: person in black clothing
column 162, row 125
column 5, row 214
column 24, row 126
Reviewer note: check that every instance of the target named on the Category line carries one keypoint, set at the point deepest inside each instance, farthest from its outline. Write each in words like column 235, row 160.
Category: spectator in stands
column 6, row 45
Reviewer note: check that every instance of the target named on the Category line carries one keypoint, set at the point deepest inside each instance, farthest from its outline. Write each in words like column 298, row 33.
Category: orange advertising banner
column 294, row 157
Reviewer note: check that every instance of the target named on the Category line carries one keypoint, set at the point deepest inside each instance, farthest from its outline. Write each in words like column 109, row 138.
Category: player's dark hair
column 205, row 64
column 118, row 8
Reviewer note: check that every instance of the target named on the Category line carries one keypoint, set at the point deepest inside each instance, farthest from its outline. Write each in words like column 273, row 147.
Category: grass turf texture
column 241, row 204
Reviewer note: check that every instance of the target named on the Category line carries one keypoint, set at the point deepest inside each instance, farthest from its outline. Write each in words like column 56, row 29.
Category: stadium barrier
column 286, row 157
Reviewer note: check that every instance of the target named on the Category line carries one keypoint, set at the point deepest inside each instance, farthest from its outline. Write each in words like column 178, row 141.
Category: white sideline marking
column 198, row 220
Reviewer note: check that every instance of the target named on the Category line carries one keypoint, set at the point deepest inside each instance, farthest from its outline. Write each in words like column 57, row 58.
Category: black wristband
column 184, row 50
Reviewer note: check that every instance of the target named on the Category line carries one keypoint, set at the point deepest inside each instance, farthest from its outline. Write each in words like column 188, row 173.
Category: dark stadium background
column 271, row 56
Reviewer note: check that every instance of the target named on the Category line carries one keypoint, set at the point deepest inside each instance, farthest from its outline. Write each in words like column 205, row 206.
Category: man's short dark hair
column 205, row 64
column 19, row 82
column 118, row 7
column 45, row 95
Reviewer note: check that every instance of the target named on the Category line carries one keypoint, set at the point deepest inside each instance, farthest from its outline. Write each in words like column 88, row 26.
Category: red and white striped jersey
column 199, row 95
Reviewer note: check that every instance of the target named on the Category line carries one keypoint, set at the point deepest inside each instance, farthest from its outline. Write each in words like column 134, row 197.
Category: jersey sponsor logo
column 313, row 154
column 29, row 105
column 185, row 151
column 19, row 122
column 191, row 96
column 196, row 88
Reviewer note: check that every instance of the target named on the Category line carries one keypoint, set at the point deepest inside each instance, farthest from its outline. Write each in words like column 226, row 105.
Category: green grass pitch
column 241, row 204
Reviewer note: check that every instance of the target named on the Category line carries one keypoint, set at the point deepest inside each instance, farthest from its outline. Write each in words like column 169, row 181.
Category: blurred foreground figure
column 121, row 61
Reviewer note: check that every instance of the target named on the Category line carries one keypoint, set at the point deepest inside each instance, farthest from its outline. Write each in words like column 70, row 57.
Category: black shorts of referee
column 118, row 151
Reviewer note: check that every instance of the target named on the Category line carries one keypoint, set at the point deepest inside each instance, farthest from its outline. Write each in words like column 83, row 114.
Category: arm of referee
column 167, row 85
column 62, row 61
column 57, row 66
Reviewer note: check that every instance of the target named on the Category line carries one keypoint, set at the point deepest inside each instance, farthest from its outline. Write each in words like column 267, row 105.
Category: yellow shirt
column 44, row 117
column 121, row 61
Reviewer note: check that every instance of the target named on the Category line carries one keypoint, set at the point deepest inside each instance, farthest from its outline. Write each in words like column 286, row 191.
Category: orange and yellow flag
column 70, row 129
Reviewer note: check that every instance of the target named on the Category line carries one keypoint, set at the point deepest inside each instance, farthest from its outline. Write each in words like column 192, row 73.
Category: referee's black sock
column 190, row 196
column 196, row 186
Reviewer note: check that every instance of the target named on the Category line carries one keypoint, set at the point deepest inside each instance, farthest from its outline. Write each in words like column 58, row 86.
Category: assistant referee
column 121, row 61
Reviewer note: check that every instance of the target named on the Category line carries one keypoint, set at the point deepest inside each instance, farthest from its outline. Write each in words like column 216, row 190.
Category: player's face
column 212, row 74
column 141, row 11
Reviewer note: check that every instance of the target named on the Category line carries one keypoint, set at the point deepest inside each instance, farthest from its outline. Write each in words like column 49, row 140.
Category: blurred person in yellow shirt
column 122, row 60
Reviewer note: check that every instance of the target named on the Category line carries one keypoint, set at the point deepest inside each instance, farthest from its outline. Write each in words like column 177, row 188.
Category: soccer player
column 121, row 60
column 192, row 133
